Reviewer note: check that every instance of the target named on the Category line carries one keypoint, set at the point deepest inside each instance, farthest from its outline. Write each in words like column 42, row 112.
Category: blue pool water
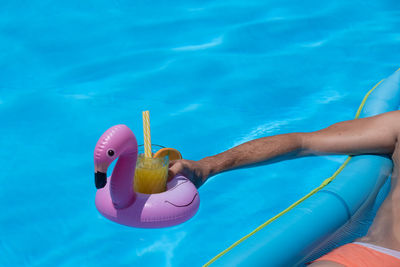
column 213, row 74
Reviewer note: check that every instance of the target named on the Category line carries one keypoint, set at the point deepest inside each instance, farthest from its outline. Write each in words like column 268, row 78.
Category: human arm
column 376, row 135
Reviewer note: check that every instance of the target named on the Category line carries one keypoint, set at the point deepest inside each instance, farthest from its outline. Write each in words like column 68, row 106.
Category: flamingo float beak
column 100, row 179
column 100, row 175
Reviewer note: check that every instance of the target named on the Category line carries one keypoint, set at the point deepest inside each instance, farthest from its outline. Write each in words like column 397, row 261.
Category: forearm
column 375, row 135
column 259, row 151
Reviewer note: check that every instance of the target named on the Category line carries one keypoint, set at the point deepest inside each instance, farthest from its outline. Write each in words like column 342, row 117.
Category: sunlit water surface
column 213, row 74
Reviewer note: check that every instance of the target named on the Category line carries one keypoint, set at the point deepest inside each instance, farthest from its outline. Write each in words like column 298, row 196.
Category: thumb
column 174, row 168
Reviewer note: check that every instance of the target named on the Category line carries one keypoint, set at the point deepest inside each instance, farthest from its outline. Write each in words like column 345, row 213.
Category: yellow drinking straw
column 146, row 132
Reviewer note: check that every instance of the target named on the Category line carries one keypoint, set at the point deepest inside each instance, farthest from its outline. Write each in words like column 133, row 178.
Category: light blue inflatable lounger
column 337, row 214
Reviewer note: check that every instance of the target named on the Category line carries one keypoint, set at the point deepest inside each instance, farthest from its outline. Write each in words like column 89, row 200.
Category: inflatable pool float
column 116, row 199
column 339, row 211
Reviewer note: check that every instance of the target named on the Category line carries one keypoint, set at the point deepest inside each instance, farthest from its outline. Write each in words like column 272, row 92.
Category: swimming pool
column 212, row 74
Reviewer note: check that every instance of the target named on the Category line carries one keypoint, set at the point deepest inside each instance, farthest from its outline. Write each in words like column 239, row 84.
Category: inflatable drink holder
column 115, row 197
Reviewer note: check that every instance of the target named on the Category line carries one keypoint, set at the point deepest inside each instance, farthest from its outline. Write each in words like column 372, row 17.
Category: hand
column 196, row 171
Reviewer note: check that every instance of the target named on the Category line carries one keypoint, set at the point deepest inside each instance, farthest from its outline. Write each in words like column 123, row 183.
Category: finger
column 172, row 162
column 170, row 175
column 174, row 169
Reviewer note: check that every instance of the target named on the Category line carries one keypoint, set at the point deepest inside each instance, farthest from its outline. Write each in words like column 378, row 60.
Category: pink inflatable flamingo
column 118, row 202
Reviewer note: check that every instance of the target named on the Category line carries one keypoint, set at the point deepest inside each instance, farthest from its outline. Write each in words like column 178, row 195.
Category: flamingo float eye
column 110, row 152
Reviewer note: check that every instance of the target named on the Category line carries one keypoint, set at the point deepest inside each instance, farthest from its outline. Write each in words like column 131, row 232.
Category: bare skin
column 373, row 135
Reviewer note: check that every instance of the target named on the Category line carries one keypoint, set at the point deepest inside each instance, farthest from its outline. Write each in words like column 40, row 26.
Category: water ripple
column 213, row 43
